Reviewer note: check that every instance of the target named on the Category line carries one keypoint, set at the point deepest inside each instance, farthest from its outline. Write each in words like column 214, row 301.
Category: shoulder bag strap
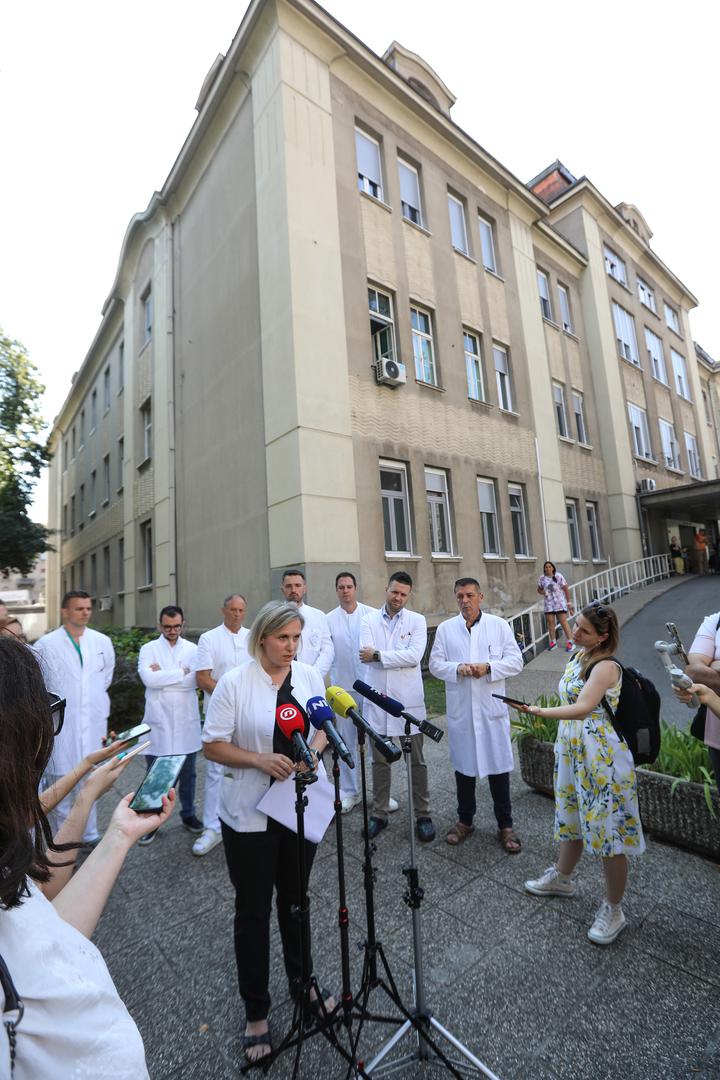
column 605, row 703
column 13, row 1004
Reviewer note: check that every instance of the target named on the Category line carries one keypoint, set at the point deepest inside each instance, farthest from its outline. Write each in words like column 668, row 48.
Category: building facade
column 343, row 336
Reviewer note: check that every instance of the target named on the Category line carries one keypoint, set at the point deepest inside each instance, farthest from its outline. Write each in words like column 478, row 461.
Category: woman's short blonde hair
column 270, row 618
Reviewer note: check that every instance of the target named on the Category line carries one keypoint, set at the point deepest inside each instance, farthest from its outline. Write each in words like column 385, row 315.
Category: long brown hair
column 603, row 621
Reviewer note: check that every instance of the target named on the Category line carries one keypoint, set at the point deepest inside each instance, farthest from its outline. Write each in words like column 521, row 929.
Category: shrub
column 127, row 693
column 686, row 758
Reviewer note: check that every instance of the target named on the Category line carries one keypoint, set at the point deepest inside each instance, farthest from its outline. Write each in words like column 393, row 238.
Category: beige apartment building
column 344, row 336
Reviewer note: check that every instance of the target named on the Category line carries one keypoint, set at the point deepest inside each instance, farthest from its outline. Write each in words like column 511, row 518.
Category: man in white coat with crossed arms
column 474, row 653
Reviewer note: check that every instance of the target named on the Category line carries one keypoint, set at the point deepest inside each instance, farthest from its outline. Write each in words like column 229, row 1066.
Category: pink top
column 707, row 643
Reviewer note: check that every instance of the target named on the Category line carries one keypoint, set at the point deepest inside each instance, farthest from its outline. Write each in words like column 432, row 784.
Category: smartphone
column 160, row 777
column 127, row 736
column 514, row 702
column 125, row 755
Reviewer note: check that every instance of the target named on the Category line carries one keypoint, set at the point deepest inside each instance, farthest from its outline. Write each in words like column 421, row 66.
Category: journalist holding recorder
column 242, row 734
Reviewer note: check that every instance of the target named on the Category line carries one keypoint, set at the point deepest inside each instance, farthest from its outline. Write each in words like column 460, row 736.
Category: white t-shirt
column 707, row 643
column 75, row 1026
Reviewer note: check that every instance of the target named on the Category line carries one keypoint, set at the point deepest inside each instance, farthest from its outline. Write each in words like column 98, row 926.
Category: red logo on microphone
column 287, row 712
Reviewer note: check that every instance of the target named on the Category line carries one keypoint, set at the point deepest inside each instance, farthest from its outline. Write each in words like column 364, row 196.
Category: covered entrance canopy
column 679, row 510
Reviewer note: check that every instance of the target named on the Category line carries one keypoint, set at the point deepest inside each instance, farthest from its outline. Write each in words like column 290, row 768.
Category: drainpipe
column 542, row 499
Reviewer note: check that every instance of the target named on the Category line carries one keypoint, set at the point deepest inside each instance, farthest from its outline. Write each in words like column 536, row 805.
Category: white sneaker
column 349, row 802
column 393, row 805
column 609, row 922
column 551, row 883
column 209, row 839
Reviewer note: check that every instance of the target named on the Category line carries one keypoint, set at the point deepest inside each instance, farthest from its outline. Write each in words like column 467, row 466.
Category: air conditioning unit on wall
column 390, row 372
column 647, row 484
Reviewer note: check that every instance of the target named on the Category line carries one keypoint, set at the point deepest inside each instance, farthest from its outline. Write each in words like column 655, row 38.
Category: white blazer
column 171, row 703
column 401, row 644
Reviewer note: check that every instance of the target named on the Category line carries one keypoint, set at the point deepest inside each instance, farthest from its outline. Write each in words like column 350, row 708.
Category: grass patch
column 435, row 696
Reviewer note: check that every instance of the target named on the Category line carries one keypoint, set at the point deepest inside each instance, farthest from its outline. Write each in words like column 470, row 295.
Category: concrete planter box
column 681, row 817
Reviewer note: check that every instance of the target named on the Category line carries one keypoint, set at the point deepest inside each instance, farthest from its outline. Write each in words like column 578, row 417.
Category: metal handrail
column 530, row 627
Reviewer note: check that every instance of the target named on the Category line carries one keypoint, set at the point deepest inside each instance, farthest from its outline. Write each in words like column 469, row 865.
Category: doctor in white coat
column 392, row 645
column 316, row 647
column 167, row 668
column 474, row 653
column 78, row 664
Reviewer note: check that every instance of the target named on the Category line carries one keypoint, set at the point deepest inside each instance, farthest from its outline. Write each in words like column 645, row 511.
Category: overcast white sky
column 96, row 99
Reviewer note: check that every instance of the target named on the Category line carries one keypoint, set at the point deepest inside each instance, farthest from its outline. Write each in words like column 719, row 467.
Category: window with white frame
column 503, row 381
column 146, row 549
column 693, row 454
column 487, row 244
column 625, row 334
column 571, row 510
column 382, row 325
column 680, row 372
column 518, row 518
column 93, row 410
column 410, row 192
column 121, row 462
column 74, row 443
column 591, row 513
column 657, row 355
column 93, row 493
column 369, row 171
column 106, row 480
column 395, row 507
column 146, row 424
column 646, row 295
column 106, row 389
column 488, row 516
column 564, row 301
column 82, row 430
column 560, row 410
column 671, row 318
column 72, row 515
column 640, row 432
column 121, row 367
column 544, row 292
column 81, row 507
column 579, row 414
column 669, row 444
column 106, row 571
column 148, row 314
column 423, row 348
column 614, row 265
column 473, row 366
column 438, row 503
column 458, row 226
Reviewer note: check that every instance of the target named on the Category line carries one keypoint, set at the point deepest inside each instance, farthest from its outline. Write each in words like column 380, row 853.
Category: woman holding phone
column 74, row 1023
column 241, row 733
column 554, row 588
column 596, row 805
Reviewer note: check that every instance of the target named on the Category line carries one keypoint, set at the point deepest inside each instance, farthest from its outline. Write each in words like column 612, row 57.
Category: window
column 691, row 447
column 625, row 334
column 544, row 291
column 473, row 367
column 487, row 244
column 614, row 266
column 65, row 522
column 591, row 512
column 579, row 413
column 367, row 151
column 106, row 571
column 121, row 563
column 106, row 389
column 395, row 507
column 410, row 192
column 706, row 406
column 146, row 547
column 147, row 309
column 74, row 443
column 560, row 410
column 93, row 410
column 458, row 228
column 680, row 371
column 502, row 378
column 669, row 444
column 81, row 507
column 81, row 574
column 121, row 462
column 565, row 316
column 382, row 325
column 66, row 454
column 93, row 493
column 146, row 420
column 657, row 355
column 640, row 433
column 573, row 529
column 518, row 518
column 671, row 318
column 488, row 516
column 82, row 429
column 93, row 575
column 422, row 343
column 646, row 295
column 436, row 488
column 121, row 367
column 72, row 515
column 106, row 480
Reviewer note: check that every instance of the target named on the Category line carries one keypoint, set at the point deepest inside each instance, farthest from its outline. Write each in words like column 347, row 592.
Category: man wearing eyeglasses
column 78, row 665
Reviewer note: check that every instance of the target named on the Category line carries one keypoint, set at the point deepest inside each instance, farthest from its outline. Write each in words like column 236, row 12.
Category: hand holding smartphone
column 126, row 736
column 514, row 703
column 160, row 777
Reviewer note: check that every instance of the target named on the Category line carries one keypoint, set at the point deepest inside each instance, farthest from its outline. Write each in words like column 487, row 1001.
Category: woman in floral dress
column 554, row 588
column 596, row 806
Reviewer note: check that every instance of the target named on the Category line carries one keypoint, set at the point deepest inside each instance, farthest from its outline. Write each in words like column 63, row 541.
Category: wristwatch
column 376, row 656
column 489, row 672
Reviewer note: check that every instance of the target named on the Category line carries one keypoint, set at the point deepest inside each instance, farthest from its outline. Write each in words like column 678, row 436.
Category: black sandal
column 263, row 1039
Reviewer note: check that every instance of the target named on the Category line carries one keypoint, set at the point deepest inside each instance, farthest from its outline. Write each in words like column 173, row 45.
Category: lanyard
column 76, row 646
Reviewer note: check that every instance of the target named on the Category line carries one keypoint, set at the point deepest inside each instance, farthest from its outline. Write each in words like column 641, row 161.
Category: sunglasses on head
column 57, row 711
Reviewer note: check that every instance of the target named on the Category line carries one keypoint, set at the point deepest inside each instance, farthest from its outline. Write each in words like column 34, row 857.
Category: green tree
column 23, row 453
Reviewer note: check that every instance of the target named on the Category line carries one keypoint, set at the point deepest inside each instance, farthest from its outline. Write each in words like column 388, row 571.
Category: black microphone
column 289, row 719
column 321, row 716
column 344, row 705
column 395, row 708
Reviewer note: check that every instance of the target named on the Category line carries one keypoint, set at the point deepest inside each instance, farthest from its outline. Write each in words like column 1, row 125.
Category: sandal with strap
column 263, row 1039
column 509, row 841
column 458, row 833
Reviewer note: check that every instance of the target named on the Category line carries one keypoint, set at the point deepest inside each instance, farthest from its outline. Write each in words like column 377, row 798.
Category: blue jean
column 185, row 784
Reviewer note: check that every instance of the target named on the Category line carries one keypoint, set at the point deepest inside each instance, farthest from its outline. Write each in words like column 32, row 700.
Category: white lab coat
column 171, row 703
column 84, row 688
column 401, row 645
column 478, row 723
column 219, row 651
column 346, row 668
column 316, row 647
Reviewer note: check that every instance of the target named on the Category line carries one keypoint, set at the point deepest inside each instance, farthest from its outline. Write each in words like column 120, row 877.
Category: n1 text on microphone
column 344, row 704
column 320, row 716
column 289, row 719
column 395, row 708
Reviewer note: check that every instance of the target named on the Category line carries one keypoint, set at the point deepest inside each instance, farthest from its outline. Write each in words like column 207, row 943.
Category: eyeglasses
column 57, row 711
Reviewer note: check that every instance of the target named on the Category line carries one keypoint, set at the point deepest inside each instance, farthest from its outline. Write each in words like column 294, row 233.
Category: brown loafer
column 458, row 834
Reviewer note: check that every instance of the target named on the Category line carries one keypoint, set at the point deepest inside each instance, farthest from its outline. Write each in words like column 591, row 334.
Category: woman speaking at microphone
column 241, row 732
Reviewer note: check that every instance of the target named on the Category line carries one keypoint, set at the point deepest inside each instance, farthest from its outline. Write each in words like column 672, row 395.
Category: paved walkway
column 512, row 976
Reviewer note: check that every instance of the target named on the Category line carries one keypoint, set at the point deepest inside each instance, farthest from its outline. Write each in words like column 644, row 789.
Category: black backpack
column 637, row 717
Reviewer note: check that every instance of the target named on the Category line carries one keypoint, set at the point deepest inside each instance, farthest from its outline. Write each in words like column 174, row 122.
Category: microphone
column 395, row 708
column 344, row 705
column 289, row 719
column 320, row 716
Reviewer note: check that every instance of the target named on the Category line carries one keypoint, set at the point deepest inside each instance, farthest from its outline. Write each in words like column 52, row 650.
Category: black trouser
column 257, row 863
column 499, row 790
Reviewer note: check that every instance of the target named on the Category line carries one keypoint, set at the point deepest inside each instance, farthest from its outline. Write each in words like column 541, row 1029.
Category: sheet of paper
column 278, row 802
